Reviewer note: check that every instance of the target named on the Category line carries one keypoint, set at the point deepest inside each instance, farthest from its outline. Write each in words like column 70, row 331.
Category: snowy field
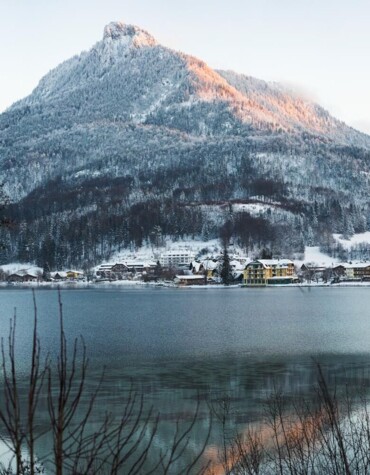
column 354, row 240
column 313, row 255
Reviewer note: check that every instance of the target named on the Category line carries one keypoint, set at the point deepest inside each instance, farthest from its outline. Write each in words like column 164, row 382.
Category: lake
column 180, row 345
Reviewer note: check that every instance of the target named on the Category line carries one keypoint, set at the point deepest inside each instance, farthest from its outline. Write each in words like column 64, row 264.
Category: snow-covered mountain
column 131, row 128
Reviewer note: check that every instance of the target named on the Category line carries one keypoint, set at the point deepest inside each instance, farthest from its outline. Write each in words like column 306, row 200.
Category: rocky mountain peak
column 118, row 31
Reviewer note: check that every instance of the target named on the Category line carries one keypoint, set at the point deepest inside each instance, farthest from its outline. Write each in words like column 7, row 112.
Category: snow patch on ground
column 313, row 255
column 253, row 208
column 355, row 239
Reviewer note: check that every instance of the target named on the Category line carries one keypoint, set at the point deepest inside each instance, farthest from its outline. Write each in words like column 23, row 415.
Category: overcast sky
column 320, row 46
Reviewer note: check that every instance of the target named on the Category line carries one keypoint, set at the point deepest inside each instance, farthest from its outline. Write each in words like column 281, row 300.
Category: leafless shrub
column 329, row 435
column 80, row 447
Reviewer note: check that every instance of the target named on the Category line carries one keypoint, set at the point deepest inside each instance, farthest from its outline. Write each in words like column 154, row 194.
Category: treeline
column 88, row 239
column 81, row 223
column 189, row 191
column 73, row 239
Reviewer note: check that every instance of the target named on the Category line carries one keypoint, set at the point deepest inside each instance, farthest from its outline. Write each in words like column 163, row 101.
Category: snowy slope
column 360, row 238
column 127, row 85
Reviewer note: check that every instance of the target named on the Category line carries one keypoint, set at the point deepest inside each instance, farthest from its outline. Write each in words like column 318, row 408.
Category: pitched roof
column 272, row 262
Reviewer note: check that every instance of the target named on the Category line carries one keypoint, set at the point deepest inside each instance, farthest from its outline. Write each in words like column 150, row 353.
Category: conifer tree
column 4, row 221
column 225, row 274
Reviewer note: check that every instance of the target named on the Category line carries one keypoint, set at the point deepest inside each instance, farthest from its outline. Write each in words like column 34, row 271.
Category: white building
column 176, row 258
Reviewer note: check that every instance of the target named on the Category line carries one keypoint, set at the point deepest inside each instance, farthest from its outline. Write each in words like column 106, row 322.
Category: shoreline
column 129, row 283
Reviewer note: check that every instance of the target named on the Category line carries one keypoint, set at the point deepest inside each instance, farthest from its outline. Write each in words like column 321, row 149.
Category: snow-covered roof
column 209, row 264
column 61, row 273
column 360, row 265
column 190, row 277
column 196, row 266
column 24, row 272
column 353, row 265
column 136, row 263
column 273, row 262
column 16, row 267
column 177, row 252
column 314, row 266
column 33, row 272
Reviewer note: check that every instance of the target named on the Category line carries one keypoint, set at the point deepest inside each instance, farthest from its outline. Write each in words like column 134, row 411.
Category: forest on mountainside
column 129, row 211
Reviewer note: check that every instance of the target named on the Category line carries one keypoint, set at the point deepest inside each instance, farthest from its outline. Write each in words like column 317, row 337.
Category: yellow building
column 269, row 272
column 74, row 274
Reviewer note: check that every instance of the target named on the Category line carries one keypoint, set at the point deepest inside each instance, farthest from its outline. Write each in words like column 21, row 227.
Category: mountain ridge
column 132, row 125
column 209, row 84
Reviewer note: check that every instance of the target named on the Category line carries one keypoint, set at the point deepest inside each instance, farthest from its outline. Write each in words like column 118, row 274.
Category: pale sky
column 320, row 46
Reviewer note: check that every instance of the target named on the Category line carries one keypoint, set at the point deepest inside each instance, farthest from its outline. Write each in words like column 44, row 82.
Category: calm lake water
column 180, row 344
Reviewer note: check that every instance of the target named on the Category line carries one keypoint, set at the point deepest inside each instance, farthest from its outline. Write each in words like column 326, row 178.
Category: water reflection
column 177, row 348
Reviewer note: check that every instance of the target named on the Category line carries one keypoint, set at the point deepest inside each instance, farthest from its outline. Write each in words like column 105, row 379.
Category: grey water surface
column 180, row 345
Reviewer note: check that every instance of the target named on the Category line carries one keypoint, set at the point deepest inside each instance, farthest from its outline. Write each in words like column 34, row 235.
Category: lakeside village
column 186, row 267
